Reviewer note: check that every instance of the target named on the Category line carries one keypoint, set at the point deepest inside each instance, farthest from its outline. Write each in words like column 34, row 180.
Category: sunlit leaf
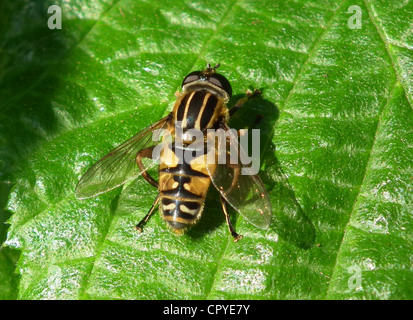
column 335, row 116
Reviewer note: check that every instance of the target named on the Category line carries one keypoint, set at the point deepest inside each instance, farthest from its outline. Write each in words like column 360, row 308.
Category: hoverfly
column 183, row 185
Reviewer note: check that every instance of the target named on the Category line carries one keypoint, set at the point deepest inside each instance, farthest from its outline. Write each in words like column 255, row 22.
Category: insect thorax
column 201, row 108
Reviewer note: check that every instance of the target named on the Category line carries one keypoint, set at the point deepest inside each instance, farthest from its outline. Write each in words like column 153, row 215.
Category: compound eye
column 193, row 76
column 221, row 82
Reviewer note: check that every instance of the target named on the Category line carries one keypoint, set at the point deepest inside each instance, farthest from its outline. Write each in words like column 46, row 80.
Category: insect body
column 183, row 183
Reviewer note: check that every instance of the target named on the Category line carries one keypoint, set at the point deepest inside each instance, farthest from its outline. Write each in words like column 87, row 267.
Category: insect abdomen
column 180, row 213
column 182, row 188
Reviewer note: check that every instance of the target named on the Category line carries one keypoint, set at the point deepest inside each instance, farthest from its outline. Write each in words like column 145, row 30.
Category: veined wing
column 243, row 190
column 119, row 165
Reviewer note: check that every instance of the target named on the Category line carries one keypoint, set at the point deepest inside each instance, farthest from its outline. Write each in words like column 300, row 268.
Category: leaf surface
column 335, row 117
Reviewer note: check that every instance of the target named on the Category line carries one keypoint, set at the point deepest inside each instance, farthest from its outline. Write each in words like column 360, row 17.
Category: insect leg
column 250, row 94
column 235, row 235
column 138, row 227
column 236, row 167
column 237, row 170
column 146, row 153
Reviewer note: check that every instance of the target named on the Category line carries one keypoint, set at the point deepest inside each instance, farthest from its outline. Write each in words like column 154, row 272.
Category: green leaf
column 336, row 117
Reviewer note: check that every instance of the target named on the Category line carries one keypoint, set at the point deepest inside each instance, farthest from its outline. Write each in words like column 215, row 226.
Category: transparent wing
column 238, row 183
column 119, row 165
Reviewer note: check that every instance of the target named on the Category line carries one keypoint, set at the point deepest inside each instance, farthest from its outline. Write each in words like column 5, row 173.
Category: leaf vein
column 361, row 184
column 386, row 45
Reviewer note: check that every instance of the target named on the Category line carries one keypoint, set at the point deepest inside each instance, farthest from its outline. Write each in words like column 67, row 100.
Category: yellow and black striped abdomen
column 183, row 188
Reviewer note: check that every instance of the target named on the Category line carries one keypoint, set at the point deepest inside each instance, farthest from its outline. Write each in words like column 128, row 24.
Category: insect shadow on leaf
column 289, row 219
